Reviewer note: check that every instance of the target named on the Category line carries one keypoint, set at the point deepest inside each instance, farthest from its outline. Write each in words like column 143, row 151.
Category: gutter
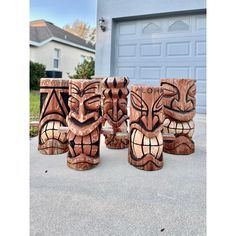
column 61, row 41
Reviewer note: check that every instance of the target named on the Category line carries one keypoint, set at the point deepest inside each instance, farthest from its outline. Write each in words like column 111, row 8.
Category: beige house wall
column 69, row 56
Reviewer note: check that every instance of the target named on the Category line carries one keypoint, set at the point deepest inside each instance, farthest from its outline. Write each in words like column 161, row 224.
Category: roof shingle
column 42, row 30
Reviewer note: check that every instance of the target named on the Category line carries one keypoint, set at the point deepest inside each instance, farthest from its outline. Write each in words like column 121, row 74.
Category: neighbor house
column 59, row 50
column 153, row 39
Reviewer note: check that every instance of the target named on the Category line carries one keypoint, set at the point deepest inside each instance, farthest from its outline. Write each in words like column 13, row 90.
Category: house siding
column 69, row 56
column 113, row 10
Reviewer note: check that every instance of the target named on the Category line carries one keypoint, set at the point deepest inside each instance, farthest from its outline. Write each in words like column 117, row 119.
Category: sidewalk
column 117, row 199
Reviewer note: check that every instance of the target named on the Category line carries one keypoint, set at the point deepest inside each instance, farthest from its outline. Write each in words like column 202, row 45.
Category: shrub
column 37, row 71
column 34, row 131
column 84, row 70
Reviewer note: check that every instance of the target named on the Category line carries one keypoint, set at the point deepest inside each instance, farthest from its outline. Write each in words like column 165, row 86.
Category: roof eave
column 37, row 44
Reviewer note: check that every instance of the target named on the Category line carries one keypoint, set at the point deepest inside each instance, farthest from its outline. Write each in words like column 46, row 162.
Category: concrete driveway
column 117, row 199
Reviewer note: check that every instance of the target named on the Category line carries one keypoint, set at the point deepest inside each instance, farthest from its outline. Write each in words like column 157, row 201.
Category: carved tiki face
column 84, row 123
column 179, row 107
column 146, row 118
column 53, row 111
column 115, row 93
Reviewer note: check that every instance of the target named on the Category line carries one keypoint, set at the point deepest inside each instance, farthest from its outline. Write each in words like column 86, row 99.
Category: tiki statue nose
column 115, row 114
column 148, row 121
column 81, row 114
column 182, row 105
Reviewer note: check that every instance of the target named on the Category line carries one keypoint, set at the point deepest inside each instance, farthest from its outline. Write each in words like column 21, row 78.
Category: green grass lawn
column 34, row 110
column 34, row 105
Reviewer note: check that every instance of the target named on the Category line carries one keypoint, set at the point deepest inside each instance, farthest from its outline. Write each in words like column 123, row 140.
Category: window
column 56, row 58
column 82, row 58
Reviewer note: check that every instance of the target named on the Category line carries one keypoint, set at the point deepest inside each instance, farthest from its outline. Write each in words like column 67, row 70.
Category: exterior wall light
column 102, row 24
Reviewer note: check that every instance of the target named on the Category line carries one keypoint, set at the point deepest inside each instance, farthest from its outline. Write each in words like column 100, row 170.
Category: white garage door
column 173, row 47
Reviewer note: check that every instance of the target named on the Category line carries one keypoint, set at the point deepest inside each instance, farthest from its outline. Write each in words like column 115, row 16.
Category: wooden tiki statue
column 146, row 124
column 115, row 116
column 53, row 111
column 84, row 123
column 179, row 108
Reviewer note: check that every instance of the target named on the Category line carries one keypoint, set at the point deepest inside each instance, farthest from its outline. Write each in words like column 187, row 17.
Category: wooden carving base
column 53, row 147
column 80, row 165
column 82, row 161
column 113, row 142
column 182, row 145
column 147, row 163
column 83, row 154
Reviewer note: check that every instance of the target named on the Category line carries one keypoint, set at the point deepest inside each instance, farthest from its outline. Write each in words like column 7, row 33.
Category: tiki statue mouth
column 178, row 127
column 88, row 145
column 142, row 146
column 50, row 131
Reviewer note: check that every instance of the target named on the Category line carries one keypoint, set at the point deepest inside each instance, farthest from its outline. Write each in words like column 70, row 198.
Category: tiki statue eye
column 192, row 91
column 158, row 104
column 138, row 103
column 169, row 90
column 73, row 102
column 93, row 103
column 107, row 105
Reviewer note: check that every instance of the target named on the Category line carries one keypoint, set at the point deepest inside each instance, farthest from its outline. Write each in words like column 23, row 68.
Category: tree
column 82, row 30
column 84, row 70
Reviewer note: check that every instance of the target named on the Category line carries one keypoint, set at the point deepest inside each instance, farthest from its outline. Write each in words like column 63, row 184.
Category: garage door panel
column 126, row 71
column 127, row 50
column 150, row 72
column 201, row 99
column 177, row 72
column 200, row 73
column 152, row 82
column 200, row 48
column 177, row 49
column 167, row 49
column 150, row 49
column 179, row 25
column 161, row 60
column 127, row 29
column 151, row 28
column 200, row 23
column 201, row 109
column 170, row 35
column 174, row 47
column 201, row 86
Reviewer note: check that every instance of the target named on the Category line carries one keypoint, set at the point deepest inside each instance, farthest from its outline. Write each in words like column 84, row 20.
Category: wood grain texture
column 115, row 92
column 54, row 108
column 146, row 124
column 179, row 102
column 99, row 79
column 84, row 124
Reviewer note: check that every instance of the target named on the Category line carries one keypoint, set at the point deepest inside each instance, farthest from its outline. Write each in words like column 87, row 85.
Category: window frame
column 82, row 58
column 56, row 57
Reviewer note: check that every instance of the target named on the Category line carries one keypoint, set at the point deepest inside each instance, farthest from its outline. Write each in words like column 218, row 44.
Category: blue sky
column 62, row 12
